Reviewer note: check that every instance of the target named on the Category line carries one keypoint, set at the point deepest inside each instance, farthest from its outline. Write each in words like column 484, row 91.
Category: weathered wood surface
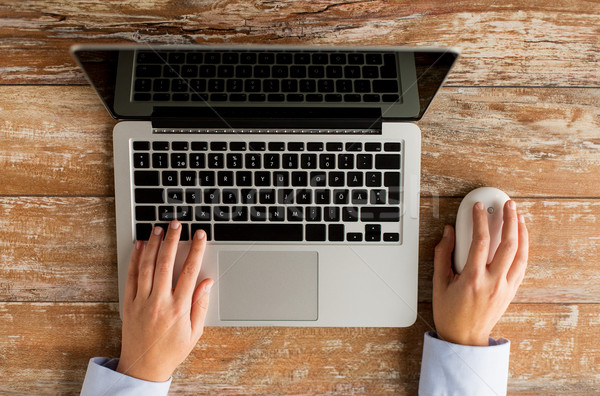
column 516, row 43
column 530, row 142
column 45, row 348
column 63, row 248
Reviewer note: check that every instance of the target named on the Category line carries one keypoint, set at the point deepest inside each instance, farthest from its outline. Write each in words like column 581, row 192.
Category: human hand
column 467, row 306
column 161, row 325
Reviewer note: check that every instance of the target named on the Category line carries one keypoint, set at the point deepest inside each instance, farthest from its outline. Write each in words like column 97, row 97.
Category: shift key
column 149, row 195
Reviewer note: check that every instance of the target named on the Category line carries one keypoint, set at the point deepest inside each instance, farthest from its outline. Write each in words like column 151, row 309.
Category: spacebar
column 258, row 232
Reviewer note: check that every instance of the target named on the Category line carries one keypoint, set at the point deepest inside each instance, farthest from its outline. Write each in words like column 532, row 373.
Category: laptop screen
column 151, row 82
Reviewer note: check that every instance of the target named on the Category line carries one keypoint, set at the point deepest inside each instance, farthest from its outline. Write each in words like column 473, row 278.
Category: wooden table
column 520, row 111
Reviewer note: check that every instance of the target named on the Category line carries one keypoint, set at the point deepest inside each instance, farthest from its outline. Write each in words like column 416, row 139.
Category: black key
column 215, row 161
column 308, row 161
column 334, row 72
column 314, row 98
column 207, row 178
column 370, row 72
column 320, row 59
column 270, row 85
column 336, row 232
column 212, row 196
column 184, row 234
column 262, row 179
column 315, row 232
column 199, row 226
column 344, row 86
column 362, row 86
column 334, row 146
column 183, row 213
column 340, row 197
column 336, row 179
column 197, row 85
column 390, row 97
column 193, row 196
column 385, row 86
column 243, row 178
column 353, row 146
column 181, row 97
column 230, row 196
column 200, row 97
column 164, row 226
column 322, row 197
column 374, row 59
column 332, row 213
column 258, row 232
column 378, row 197
column 147, row 71
column 237, row 97
column 239, row 213
column 161, row 85
column 302, row 58
column 298, row 71
column 243, row 71
column 391, row 179
column 212, row 57
column 352, row 98
column 235, row 85
column 248, row 58
column 225, row 178
column 225, row 71
column 333, row 98
column 391, row 146
column 388, row 70
column 391, row 236
column 294, row 213
column 318, row 179
column 351, row 71
column 325, row 86
column 230, row 58
column 194, row 57
column 158, row 97
column 371, row 98
column 216, row 85
column 252, row 85
column 295, row 146
column 143, row 231
column 262, row 71
column 160, row 146
column 266, row 58
column 179, row 146
column 189, row 71
column 249, row 196
column 304, row 197
column 221, row 213
column 359, row 197
column 202, row 213
column 308, row 86
column 289, row 86
column 199, row 146
column 285, row 196
column 295, row 97
column 141, row 146
column 169, row 178
column 350, row 213
column 327, row 161
column 356, row 59
column 252, row 160
column 372, row 146
column 275, row 97
column 257, row 146
column 276, row 146
column 145, row 213
column 178, row 160
column 271, row 161
column 372, row 232
column 373, row 179
column 387, row 161
column 149, row 195
column 171, row 71
column 338, row 58
column 143, row 85
column 174, row 196
column 266, row 196
column 380, row 214
column 284, row 58
column 354, row 237
column 151, row 57
column 176, row 57
column 279, row 71
column 218, row 97
column 141, row 160
column 299, row 179
column 179, row 85
column 276, row 213
column 145, row 178
column 346, row 161
column 355, row 179
column 314, row 146
column 290, row 161
column 234, row 161
column 166, row 213
column 258, row 213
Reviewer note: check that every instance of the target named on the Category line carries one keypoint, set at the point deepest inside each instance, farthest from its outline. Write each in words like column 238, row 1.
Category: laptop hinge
column 298, row 120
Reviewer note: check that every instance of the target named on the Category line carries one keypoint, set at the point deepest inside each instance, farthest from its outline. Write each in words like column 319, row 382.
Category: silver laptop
column 300, row 163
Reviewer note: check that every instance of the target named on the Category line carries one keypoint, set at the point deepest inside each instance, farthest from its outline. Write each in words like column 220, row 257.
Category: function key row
column 262, row 146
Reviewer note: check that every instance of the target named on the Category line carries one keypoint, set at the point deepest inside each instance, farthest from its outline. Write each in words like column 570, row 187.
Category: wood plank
column 63, row 248
column 520, row 43
column 47, row 345
column 526, row 141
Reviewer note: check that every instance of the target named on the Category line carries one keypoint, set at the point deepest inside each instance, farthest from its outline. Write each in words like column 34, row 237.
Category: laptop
column 302, row 164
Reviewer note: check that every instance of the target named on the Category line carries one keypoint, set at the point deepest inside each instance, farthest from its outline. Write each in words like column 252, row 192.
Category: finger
column 148, row 261
column 163, row 273
column 191, row 267
column 132, row 271
column 517, row 269
column 200, row 307
column 442, row 260
column 480, row 245
column 505, row 254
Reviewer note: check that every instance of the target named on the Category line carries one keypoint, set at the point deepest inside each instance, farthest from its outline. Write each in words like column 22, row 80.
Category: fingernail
column 157, row 230
column 175, row 224
column 512, row 205
column 446, row 230
column 521, row 219
column 208, row 286
column 200, row 234
column 479, row 206
column 138, row 245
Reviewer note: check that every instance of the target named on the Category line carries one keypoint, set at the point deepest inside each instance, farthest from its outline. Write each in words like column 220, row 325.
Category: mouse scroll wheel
column 490, row 210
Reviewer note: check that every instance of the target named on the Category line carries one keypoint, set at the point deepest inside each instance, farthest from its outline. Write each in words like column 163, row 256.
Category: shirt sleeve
column 102, row 379
column 452, row 369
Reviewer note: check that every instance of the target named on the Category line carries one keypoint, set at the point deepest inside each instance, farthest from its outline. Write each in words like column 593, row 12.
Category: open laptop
column 300, row 163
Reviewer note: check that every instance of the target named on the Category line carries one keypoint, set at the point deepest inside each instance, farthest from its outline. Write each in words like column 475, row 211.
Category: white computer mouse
column 493, row 201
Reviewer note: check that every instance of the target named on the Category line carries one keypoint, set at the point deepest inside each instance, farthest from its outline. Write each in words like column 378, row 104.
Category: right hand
column 467, row 306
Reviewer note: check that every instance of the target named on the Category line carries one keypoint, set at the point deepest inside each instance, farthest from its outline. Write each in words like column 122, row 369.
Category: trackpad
column 268, row 285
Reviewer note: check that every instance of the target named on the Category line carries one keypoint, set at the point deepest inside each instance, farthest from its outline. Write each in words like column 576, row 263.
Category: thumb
column 442, row 261
column 200, row 301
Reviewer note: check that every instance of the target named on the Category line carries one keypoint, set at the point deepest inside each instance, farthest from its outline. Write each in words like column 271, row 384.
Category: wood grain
column 63, row 248
column 526, row 141
column 517, row 43
column 46, row 347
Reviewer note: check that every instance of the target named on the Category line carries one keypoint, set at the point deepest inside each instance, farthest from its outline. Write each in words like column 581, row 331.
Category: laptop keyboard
column 252, row 77
column 293, row 191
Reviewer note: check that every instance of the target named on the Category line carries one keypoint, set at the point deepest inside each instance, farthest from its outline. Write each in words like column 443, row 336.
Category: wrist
column 139, row 371
column 464, row 339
